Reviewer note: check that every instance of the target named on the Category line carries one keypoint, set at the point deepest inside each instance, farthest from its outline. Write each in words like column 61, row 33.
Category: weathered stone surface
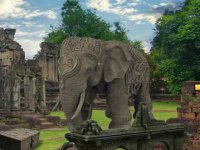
column 14, row 121
column 47, row 60
column 7, row 34
column 19, row 139
column 188, row 87
column 189, row 114
column 104, row 75
column 184, row 109
column 56, row 120
column 22, row 86
column 135, row 138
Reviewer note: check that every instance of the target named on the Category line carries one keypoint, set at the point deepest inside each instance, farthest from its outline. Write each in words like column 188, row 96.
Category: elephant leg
column 117, row 101
column 143, row 96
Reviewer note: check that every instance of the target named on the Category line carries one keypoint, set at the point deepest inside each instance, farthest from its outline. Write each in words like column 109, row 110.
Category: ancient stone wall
column 5, row 90
column 19, row 78
column 189, row 114
column 48, row 61
column 26, row 84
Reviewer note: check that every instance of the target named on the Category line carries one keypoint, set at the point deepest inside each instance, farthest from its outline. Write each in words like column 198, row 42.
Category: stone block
column 184, row 109
column 14, row 121
column 196, row 137
column 195, row 109
column 198, row 130
column 63, row 122
column 189, row 116
column 192, row 127
column 198, row 117
column 194, row 142
column 54, row 119
column 19, row 139
column 188, row 87
column 173, row 120
column 184, row 103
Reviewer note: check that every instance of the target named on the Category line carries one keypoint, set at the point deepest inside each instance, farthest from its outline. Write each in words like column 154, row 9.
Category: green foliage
column 84, row 23
column 176, row 46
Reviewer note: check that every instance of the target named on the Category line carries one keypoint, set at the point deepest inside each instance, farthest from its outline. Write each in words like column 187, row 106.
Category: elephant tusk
column 80, row 105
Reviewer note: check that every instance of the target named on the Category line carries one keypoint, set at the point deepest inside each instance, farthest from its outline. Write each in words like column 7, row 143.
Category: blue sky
column 32, row 18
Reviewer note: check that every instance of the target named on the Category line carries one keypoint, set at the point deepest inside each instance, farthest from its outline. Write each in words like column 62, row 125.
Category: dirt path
column 161, row 110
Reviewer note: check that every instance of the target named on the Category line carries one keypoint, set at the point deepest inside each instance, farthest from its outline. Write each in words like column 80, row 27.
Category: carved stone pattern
column 73, row 48
column 138, row 72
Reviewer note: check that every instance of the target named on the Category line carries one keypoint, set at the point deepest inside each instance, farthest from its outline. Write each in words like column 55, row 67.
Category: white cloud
column 151, row 18
column 120, row 1
column 40, row 33
column 50, row 14
column 40, row 26
column 30, row 46
column 6, row 25
column 106, row 6
column 164, row 6
column 139, row 22
column 30, row 41
column 133, row 4
column 14, row 9
column 125, row 11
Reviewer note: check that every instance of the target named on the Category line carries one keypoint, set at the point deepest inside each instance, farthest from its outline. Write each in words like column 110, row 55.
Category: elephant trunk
column 70, row 99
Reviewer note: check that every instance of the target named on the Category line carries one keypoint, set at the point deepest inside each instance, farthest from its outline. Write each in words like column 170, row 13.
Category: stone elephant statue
column 88, row 66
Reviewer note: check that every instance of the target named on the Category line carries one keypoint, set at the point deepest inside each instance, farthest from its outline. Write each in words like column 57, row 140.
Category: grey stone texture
column 88, row 66
column 23, row 83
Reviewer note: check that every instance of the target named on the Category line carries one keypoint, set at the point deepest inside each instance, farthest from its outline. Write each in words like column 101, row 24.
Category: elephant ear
column 116, row 64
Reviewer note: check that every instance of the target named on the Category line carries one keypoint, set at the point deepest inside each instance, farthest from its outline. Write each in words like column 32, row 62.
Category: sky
column 32, row 18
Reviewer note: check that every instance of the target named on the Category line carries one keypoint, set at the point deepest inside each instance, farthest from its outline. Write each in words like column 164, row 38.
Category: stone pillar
column 26, row 90
column 41, row 91
column 44, row 67
column 16, row 93
column 29, row 92
column 31, row 102
column 8, row 89
column 51, row 68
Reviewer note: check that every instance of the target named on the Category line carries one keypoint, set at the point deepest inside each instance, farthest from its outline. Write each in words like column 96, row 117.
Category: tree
column 84, row 23
column 176, row 46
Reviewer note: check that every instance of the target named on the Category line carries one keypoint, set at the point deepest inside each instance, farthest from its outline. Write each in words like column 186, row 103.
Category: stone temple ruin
column 189, row 114
column 26, row 85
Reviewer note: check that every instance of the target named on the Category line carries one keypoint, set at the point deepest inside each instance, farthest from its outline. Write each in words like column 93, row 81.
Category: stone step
column 45, row 125
column 8, row 127
column 43, row 119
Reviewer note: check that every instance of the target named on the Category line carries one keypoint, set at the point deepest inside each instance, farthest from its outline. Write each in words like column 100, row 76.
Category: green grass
column 53, row 139
column 165, row 105
column 58, row 113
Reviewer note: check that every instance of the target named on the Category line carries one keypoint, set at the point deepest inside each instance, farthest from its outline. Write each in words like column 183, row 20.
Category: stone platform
column 137, row 138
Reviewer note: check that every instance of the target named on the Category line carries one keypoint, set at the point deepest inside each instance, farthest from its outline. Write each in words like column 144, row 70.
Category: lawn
column 52, row 139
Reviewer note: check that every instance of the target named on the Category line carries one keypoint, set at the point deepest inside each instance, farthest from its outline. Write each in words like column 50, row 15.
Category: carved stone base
column 138, row 138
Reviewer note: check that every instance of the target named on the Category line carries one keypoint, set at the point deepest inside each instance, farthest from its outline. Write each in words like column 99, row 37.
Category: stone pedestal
column 171, row 137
